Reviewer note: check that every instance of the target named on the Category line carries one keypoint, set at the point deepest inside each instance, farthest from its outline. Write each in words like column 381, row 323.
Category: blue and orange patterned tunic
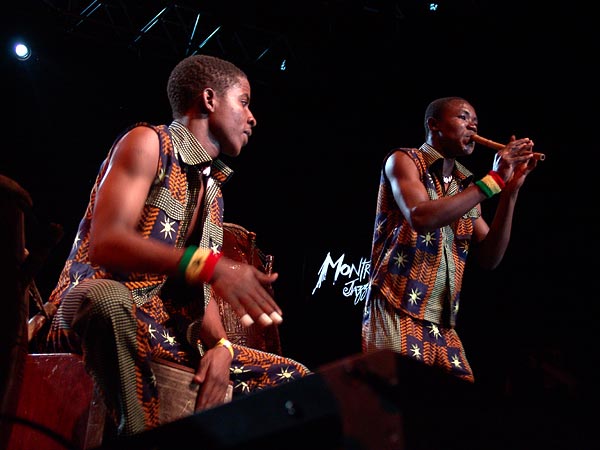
column 415, row 279
column 151, row 315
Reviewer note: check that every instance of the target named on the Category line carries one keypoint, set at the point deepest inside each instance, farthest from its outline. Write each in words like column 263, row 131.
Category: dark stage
column 358, row 76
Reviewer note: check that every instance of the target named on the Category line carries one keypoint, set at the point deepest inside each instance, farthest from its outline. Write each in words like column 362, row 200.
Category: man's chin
column 231, row 152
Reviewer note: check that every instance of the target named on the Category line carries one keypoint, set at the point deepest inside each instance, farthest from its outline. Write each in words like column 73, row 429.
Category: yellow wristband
column 195, row 265
column 225, row 343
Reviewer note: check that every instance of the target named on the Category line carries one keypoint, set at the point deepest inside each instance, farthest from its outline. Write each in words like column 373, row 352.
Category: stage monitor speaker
column 392, row 402
column 375, row 401
column 297, row 415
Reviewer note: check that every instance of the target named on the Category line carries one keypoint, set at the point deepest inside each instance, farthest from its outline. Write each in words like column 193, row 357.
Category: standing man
column 428, row 215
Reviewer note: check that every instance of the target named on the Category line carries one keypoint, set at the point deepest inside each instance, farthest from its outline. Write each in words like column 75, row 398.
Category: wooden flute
column 498, row 146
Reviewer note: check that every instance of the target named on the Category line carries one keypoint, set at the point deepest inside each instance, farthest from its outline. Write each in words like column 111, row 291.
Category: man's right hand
column 514, row 153
column 243, row 287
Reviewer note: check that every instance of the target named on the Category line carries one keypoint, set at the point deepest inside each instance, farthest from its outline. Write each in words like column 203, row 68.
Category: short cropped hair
column 436, row 107
column 194, row 74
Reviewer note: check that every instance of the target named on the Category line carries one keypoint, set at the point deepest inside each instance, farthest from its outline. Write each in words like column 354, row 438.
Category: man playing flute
column 428, row 214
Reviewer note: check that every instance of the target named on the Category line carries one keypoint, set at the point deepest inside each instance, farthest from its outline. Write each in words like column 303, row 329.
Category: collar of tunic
column 192, row 153
column 433, row 160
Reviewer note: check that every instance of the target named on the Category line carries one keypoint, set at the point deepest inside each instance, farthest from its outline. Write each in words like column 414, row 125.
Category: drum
column 239, row 244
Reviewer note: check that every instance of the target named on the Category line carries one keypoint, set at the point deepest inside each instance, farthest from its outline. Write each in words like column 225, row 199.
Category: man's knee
column 104, row 302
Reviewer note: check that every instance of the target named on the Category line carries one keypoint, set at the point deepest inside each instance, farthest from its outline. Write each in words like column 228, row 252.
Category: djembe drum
column 239, row 244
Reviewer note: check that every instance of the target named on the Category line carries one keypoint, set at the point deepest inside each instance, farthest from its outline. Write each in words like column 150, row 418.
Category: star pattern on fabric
column 378, row 227
column 167, row 228
column 464, row 247
column 414, row 296
column 76, row 241
column 428, row 239
column 161, row 174
column 400, row 259
column 456, row 362
column 415, row 351
column 76, row 279
column 434, row 331
column 237, row 370
column 285, row 374
column 168, row 339
column 243, row 386
column 152, row 331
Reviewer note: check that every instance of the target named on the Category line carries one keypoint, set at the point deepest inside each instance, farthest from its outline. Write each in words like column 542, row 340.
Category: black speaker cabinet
column 300, row 414
column 376, row 401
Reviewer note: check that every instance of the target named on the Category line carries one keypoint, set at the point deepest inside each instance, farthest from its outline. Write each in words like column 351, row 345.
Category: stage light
column 22, row 51
column 433, row 6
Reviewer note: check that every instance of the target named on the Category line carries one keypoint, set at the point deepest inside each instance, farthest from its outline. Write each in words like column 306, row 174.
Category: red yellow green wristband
column 185, row 259
column 208, row 269
column 198, row 264
column 490, row 184
column 497, row 178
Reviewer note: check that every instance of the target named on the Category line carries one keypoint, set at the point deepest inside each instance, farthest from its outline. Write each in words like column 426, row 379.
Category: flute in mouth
column 498, row 146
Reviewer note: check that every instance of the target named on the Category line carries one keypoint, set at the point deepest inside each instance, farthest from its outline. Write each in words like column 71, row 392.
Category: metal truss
column 175, row 29
column 262, row 34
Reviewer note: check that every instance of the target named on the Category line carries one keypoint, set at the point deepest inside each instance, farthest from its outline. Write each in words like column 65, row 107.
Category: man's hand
column 243, row 287
column 213, row 377
column 517, row 151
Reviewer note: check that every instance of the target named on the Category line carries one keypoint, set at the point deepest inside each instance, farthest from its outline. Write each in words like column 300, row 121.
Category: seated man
column 147, row 255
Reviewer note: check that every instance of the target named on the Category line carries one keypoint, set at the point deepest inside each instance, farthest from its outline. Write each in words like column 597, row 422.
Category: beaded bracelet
column 198, row 264
column 491, row 184
column 223, row 342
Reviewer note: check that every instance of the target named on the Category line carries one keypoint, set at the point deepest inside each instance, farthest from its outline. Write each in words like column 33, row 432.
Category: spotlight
column 433, row 6
column 22, row 51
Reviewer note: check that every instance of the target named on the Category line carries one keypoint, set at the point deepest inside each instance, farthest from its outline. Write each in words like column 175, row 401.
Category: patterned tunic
column 150, row 315
column 416, row 276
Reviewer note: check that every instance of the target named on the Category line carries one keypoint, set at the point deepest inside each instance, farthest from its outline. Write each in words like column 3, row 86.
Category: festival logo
column 354, row 276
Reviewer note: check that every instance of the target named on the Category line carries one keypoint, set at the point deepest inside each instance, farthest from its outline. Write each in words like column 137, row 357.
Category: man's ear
column 206, row 102
column 432, row 123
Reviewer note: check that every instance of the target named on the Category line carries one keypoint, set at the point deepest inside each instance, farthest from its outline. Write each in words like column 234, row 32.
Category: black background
column 358, row 80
